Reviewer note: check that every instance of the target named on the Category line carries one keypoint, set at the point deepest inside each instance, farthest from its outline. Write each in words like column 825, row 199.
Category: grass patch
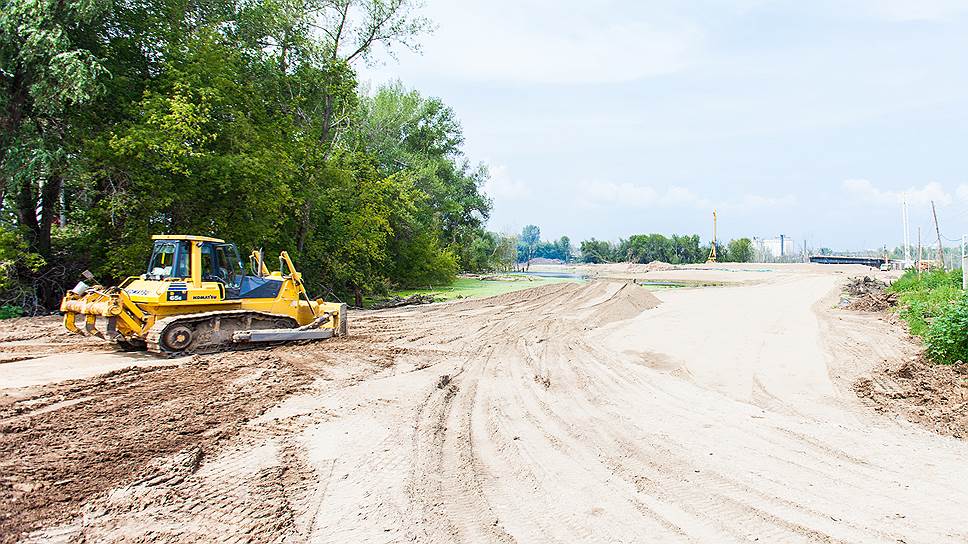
column 923, row 297
column 472, row 288
column 936, row 309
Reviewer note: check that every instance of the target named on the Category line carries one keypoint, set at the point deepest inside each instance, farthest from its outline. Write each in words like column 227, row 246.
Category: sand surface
column 597, row 412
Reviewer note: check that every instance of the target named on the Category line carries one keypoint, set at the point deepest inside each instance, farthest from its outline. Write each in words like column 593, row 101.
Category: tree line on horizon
column 638, row 248
column 674, row 249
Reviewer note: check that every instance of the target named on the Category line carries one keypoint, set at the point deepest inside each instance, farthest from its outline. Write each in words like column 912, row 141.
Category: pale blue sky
column 608, row 118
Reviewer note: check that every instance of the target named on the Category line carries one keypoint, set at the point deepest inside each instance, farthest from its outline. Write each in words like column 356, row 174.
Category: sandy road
column 572, row 413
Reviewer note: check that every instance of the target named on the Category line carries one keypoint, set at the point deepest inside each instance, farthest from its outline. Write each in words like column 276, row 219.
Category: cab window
column 169, row 259
column 207, row 271
column 229, row 264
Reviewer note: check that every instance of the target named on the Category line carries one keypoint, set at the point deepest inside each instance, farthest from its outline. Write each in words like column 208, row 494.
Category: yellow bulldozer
column 195, row 297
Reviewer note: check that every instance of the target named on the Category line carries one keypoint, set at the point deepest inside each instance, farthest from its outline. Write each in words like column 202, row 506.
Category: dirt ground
column 596, row 412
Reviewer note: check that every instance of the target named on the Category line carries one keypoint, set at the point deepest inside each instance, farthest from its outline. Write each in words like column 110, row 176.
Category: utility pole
column 919, row 251
column 964, row 264
column 906, row 234
column 937, row 231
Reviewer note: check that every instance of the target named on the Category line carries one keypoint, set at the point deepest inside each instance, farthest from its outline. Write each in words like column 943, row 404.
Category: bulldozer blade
column 95, row 325
column 90, row 325
column 280, row 335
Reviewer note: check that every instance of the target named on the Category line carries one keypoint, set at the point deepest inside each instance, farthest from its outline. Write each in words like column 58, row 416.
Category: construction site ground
column 759, row 411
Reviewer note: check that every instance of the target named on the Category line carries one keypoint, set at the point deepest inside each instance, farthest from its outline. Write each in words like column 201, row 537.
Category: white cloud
column 753, row 202
column 924, row 194
column 500, row 185
column 962, row 192
column 917, row 10
column 631, row 195
column 546, row 42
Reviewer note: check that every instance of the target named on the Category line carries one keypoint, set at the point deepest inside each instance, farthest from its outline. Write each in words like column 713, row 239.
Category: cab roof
column 186, row 237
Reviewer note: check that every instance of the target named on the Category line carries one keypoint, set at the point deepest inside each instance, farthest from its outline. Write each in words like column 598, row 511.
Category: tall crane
column 712, row 250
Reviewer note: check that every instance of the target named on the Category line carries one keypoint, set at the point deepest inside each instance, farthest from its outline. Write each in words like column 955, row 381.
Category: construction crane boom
column 712, row 250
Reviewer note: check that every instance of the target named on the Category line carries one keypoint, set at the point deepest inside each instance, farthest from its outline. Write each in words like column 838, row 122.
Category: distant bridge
column 838, row 259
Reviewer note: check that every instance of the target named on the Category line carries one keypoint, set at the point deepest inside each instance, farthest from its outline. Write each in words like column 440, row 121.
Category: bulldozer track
column 218, row 335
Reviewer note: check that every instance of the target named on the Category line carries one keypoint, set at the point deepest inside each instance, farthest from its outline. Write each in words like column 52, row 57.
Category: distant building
column 782, row 246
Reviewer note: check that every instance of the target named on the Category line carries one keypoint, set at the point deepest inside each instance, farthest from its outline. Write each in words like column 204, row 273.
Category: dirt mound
column 658, row 266
column 654, row 266
column 625, row 302
column 929, row 394
column 526, row 296
column 865, row 285
column 868, row 295
column 873, row 302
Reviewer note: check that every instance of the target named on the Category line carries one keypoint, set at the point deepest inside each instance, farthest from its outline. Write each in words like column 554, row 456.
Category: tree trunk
column 27, row 211
column 303, row 227
column 49, row 197
column 15, row 107
column 325, row 138
column 357, row 297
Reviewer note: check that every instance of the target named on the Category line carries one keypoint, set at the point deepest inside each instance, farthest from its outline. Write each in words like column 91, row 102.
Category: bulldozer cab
column 197, row 259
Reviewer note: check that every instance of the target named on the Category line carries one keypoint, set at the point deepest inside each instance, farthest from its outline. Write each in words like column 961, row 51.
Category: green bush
column 7, row 312
column 919, row 308
column 925, row 296
column 947, row 335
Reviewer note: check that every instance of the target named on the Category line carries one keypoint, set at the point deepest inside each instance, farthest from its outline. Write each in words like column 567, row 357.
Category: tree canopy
column 237, row 119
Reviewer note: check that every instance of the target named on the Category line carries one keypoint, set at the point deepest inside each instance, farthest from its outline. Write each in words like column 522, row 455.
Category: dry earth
column 567, row 413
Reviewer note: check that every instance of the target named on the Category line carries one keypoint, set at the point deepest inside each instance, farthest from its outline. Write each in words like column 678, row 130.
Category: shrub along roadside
column 947, row 336
column 936, row 309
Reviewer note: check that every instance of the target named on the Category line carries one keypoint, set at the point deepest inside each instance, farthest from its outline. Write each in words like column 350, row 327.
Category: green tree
column 563, row 249
column 740, row 250
column 407, row 132
column 645, row 248
column 204, row 154
column 506, row 252
column 530, row 238
column 685, row 249
column 597, row 251
column 50, row 71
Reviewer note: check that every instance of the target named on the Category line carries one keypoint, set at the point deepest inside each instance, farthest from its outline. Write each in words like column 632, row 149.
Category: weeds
column 7, row 311
column 936, row 309
column 947, row 336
